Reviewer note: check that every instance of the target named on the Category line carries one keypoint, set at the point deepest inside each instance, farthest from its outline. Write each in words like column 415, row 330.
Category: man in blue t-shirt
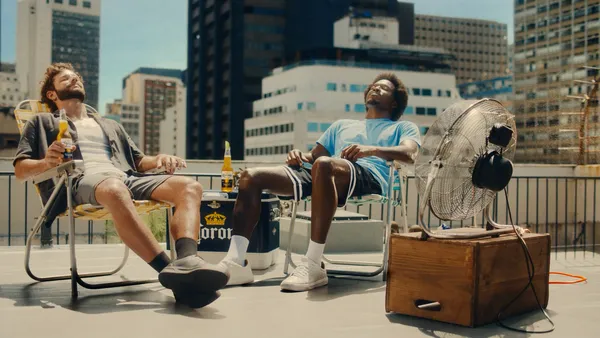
column 349, row 160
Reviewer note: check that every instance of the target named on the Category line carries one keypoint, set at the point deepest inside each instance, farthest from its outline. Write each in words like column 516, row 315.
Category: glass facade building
column 76, row 39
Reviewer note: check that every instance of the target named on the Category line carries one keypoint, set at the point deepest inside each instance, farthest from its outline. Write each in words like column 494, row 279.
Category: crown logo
column 214, row 205
column 215, row 219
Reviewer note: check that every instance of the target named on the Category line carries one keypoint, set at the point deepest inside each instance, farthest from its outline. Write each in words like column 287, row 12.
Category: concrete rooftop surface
column 344, row 308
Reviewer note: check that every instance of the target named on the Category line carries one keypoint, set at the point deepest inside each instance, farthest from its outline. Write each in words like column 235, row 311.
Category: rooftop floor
column 344, row 308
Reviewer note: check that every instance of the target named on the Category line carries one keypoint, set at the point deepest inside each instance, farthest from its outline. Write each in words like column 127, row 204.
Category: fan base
column 465, row 282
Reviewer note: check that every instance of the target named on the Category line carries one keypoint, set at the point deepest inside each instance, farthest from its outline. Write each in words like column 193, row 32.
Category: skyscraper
column 234, row 44
column 58, row 31
column 155, row 98
column 554, row 41
column 480, row 46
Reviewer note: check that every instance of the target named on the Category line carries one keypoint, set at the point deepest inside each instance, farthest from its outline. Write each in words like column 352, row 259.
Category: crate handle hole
column 428, row 305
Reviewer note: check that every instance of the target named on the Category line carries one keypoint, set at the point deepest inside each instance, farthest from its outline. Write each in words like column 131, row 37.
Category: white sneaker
column 307, row 276
column 239, row 275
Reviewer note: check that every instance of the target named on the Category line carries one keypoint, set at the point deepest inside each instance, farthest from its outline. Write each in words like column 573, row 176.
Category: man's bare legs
column 184, row 193
column 115, row 196
column 246, row 214
column 329, row 176
column 330, row 180
column 192, row 280
column 253, row 182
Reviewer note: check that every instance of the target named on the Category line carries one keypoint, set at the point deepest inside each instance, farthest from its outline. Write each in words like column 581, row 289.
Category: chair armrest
column 68, row 167
column 398, row 164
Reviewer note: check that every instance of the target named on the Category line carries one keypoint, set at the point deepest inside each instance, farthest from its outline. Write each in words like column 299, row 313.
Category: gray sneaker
column 195, row 299
column 193, row 275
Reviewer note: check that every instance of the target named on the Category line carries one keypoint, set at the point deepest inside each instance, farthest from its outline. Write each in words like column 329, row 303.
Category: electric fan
column 465, row 160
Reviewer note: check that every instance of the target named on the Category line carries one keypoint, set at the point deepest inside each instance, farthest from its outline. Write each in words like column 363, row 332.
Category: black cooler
column 216, row 217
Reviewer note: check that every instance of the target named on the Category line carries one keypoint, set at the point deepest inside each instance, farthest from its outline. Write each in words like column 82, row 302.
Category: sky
column 152, row 33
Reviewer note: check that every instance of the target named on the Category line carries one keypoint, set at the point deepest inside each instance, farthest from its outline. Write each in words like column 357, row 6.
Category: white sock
column 315, row 252
column 237, row 249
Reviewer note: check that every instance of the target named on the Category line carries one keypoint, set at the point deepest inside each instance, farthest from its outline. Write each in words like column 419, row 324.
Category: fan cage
column 456, row 140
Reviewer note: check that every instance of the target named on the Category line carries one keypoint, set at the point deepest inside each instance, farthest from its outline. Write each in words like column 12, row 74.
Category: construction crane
column 589, row 105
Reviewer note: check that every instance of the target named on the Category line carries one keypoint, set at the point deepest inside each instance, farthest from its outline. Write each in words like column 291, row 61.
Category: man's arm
column 405, row 152
column 167, row 162
column 27, row 167
column 296, row 157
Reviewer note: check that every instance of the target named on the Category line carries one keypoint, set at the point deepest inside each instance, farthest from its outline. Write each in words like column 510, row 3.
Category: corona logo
column 215, row 233
column 215, row 219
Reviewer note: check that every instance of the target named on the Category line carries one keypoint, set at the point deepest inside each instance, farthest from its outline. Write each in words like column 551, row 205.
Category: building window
column 300, row 105
column 312, row 127
column 359, row 108
column 58, row 1
column 331, row 87
column 264, row 10
column 420, row 111
column 431, row 111
column 73, row 2
column 87, row 4
column 324, row 126
column 347, row 108
column 409, row 110
column 355, row 88
column 416, row 91
column 311, row 106
column 426, row 92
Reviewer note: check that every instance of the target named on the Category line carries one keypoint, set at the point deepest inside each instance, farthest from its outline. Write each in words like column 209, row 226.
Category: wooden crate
column 472, row 280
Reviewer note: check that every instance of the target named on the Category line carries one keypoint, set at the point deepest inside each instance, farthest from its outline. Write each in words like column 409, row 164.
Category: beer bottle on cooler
column 227, row 170
column 64, row 136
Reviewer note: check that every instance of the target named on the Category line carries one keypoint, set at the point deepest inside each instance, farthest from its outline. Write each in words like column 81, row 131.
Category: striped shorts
column 362, row 182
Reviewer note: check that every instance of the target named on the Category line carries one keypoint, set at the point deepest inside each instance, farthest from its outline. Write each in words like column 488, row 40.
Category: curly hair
column 400, row 94
column 47, row 83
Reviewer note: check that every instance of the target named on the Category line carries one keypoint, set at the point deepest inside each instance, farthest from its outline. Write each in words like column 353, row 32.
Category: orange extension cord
column 580, row 279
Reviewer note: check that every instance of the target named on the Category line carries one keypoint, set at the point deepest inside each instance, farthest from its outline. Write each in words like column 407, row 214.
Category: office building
column 499, row 88
column 480, row 46
column 154, row 101
column 129, row 115
column 554, row 41
column 51, row 31
column 301, row 101
column 232, row 45
column 10, row 88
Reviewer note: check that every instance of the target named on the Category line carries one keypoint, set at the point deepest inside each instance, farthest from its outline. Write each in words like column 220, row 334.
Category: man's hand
column 296, row 158
column 54, row 155
column 355, row 151
column 169, row 163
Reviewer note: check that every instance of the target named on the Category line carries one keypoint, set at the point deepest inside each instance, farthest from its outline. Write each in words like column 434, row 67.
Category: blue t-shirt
column 371, row 132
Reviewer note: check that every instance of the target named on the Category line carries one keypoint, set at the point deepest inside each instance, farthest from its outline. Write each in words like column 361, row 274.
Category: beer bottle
column 64, row 136
column 227, row 170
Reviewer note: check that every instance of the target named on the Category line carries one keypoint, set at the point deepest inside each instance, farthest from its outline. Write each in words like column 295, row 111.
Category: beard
column 68, row 94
